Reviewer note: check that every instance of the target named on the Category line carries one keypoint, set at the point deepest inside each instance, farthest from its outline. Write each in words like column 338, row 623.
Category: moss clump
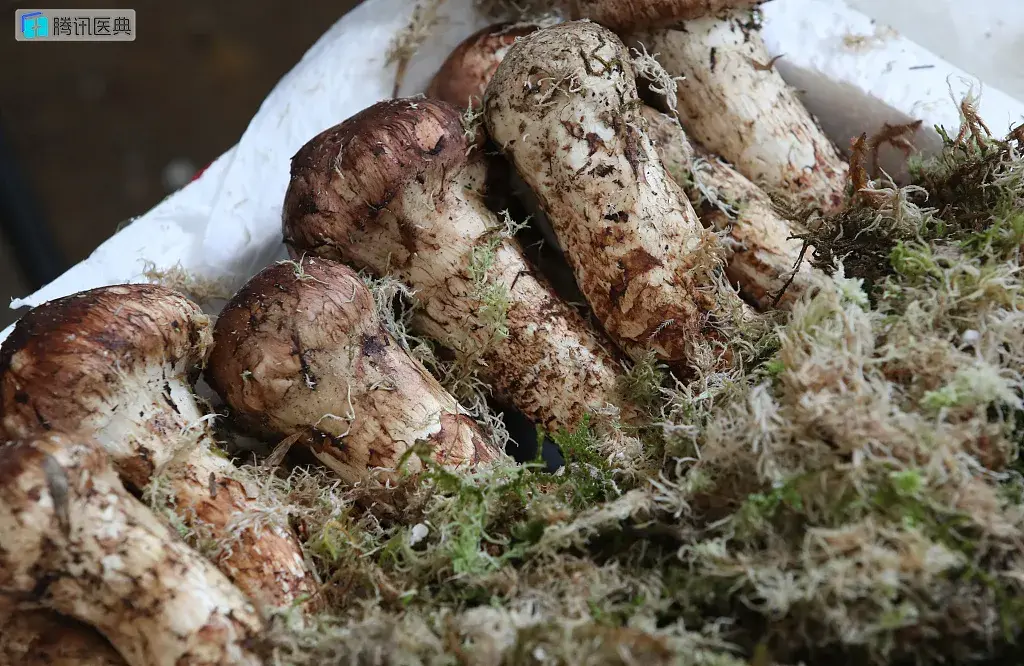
column 849, row 489
column 491, row 294
column 970, row 198
column 850, row 502
column 200, row 289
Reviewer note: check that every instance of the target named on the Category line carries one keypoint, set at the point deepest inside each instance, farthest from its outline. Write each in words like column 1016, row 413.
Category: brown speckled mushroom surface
column 761, row 253
column 763, row 257
column 44, row 638
column 117, row 364
column 77, row 542
column 114, row 362
column 463, row 77
column 734, row 102
column 624, row 15
column 563, row 106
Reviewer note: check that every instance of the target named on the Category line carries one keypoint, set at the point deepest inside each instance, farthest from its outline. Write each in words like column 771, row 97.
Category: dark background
column 100, row 133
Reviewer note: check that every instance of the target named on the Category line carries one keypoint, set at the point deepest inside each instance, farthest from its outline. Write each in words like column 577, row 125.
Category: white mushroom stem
column 77, row 542
column 734, row 103
column 762, row 255
column 563, row 106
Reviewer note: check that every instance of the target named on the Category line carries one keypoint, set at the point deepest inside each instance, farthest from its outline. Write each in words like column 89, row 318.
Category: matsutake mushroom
column 117, row 364
column 396, row 190
column 563, row 106
column 77, row 542
column 300, row 350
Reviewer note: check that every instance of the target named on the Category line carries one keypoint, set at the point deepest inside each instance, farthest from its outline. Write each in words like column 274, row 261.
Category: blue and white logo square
column 34, row 25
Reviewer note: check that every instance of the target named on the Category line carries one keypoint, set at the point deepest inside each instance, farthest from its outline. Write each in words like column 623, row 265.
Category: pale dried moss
column 533, row 12
column 847, row 492
column 857, row 511
column 201, row 289
column 426, row 17
column 864, row 490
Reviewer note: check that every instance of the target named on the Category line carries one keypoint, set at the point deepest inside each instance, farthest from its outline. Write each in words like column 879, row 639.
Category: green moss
column 774, row 367
column 588, row 477
column 643, row 381
column 914, row 260
column 492, row 294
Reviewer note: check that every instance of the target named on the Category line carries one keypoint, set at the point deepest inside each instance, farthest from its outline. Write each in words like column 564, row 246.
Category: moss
column 492, row 296
column 472, row 122
column 643, row 381
column 849, row 490
column 426, row 16
column 893, row 389
column 587, row 478
column 973, row 189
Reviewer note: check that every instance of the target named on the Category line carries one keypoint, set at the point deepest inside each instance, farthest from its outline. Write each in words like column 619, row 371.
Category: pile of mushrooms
column 110, row 455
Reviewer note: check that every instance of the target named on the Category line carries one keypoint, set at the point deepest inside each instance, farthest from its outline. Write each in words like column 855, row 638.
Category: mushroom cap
column 629, row 15
column 269, row 329
column 66, row 353
column 71, row 363
column 351, row 173
column 463, row 78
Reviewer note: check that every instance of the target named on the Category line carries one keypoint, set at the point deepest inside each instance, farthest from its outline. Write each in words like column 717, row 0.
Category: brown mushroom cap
column 464, row 76
column 71, row 364
column 378, row 150
column 304, row 352
column 629, row 15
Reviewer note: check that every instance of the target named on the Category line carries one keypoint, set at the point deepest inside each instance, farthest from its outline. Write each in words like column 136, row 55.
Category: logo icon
column 34, row 25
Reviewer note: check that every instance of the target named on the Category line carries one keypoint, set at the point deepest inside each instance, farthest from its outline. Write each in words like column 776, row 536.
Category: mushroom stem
column 762, row 257
column 396, row 190
column 563, row 106
column 300, row 350
column 44, row 638
column 117, row 364
column 734, row 103
column 622, row 15
column 76, row 541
